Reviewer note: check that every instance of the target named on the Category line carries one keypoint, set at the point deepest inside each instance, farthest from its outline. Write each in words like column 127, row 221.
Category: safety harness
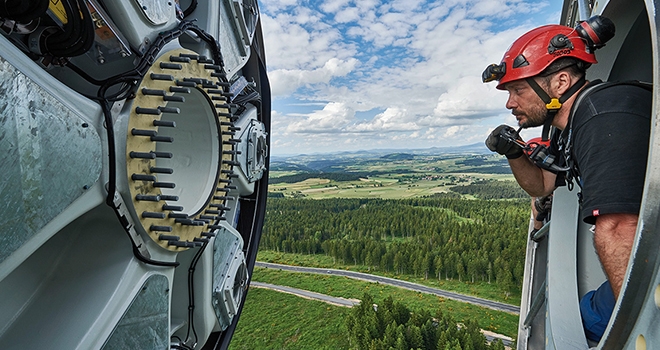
column 565, row 141
column 553, row 104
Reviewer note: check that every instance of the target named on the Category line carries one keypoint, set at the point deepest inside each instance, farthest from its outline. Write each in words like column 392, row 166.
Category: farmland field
column 388, row 177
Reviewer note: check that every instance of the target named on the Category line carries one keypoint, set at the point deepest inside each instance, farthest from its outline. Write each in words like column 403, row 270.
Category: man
column 601, row 142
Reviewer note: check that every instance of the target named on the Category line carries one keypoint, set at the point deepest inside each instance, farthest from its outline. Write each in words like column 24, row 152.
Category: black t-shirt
column 610, row 139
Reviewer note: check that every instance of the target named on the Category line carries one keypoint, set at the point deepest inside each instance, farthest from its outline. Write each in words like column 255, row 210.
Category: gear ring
column 190, row 144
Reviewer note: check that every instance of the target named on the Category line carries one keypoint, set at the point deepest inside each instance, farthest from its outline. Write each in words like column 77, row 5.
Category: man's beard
column 535, row 116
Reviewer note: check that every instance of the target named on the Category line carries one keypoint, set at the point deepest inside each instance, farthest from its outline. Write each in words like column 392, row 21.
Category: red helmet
column 535, row 51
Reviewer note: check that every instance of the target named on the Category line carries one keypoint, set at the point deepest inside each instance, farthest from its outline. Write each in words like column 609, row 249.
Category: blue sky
column 350, row 75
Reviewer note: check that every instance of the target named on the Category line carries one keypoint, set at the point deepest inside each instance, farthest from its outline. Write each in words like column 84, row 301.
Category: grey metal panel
column 590, row 271
column 234, row 51
column 145, row 325
column 584, row 9
column 563, row 323
column 70, row 289
column 634, row 60
column 636, row 316
column 624, row 14
column 49, row 157
column 532, row 335
column 228, row 270
column 244, row 183
column 157, row 11
column 136, row 25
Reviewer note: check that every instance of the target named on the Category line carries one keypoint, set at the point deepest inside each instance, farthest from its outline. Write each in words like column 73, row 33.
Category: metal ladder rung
column 541, row 233
column 539, row 299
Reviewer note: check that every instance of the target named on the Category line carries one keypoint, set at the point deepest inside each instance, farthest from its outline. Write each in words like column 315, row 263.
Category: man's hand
column 501, row 141
column 542, row 206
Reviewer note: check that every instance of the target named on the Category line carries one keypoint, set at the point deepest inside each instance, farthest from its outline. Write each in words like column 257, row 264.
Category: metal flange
column 180, row 150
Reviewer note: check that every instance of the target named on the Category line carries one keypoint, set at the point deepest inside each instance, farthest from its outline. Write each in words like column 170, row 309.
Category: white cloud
column 467, row 98
column 452, row 130
column 293, row 45
column 350, row 14
column 392, row 119
column 286, row 81
column 333, row 6
column 332, row 118
column 419, row 62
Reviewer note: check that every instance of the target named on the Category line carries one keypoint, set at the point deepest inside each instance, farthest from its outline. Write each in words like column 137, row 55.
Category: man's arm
column 614, row 237
column 534, row 180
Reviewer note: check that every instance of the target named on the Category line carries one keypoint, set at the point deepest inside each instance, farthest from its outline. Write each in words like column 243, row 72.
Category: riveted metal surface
column 49, row 157
column 229, row 274
column 145, row 325
column 233, row 46
column 257, row 151
column 157, row 11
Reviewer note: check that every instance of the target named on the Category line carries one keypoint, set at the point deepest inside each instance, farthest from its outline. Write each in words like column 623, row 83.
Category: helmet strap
column 553, row 105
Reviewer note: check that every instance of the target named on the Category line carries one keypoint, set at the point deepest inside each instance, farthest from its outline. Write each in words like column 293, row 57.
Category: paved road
column 307, row 294
column 398, row 283
column 490, row 336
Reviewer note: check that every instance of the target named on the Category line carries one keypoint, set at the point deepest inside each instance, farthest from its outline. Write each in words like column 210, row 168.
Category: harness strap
column 566, row 137
column 553, row 105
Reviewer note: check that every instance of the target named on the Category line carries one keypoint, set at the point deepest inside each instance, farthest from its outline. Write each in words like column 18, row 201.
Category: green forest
column 392, row 325
column 489, row 189
column 337, row 176
column 432, row 237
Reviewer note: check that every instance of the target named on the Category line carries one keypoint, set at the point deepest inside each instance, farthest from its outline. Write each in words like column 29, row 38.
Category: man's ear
column 561, row 82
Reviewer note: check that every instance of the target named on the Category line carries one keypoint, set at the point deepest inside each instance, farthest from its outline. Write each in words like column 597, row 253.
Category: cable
column 191, row 294
column 112, row 188
column 149, row 261
column 190, row 9
column 129, row 81
column 252, row 96
column 180, row 345
column 112, row 183
column 84, row 74
column 77, row 36
column 23, row 11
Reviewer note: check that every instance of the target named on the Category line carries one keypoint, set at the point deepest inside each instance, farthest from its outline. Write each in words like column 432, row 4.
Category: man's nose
column 511, row 103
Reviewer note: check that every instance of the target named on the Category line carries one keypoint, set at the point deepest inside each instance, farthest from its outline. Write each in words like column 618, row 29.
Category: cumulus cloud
column 467, row 98
column 286, row 81
column 333, row 6
column 299, row 41
column 392, row 119
column 418, row 62
column 332, row 118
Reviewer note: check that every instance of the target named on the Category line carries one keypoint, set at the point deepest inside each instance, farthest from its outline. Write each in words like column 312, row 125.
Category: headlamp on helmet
column 493, row 72
column 596, row 31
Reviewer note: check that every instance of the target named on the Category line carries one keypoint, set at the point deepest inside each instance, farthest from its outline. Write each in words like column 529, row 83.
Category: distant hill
column 329, row 165
column 286, row 166
column 399, row 156
column 349, row 166
column 317, row 175
column 475, row 148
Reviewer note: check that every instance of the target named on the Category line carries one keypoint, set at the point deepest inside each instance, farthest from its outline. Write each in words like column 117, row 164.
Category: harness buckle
column 554, row 104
